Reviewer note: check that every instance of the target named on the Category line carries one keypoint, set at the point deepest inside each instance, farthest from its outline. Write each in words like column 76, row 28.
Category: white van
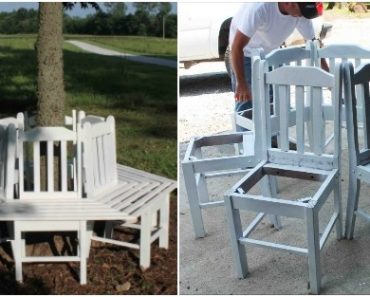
column 204, row 31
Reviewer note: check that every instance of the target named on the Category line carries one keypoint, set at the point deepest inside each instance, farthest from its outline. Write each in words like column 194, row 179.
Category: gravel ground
column 206, row 265
column 206, row 101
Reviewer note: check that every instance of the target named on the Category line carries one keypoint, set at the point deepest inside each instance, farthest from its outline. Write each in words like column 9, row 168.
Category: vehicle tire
column 227, row 60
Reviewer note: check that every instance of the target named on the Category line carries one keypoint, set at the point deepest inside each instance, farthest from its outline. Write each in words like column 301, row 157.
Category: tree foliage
column 146, row 20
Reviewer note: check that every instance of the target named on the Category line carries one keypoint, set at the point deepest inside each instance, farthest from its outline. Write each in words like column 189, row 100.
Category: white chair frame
column 140, row 194
column 314, row 165
column 356, row 90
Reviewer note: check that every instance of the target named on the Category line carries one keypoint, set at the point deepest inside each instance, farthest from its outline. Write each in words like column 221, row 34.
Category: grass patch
column 141, row 97
column 151, row 46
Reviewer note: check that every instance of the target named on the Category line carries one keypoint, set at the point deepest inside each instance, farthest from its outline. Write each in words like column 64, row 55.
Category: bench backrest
column 99, row 154
column 61, row 149
column 359, row 78
column 292, row 84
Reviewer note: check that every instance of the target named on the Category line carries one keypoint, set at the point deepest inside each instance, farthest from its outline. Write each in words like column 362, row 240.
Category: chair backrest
column 99, row 154
column 59, row 147
column 29, row 121
column 337, row 53
column 7, row 160
column 295, row 85
column 294, row 56
column 359, row 78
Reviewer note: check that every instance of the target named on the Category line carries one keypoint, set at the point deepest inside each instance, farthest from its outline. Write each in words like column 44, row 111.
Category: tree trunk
column 50, row 80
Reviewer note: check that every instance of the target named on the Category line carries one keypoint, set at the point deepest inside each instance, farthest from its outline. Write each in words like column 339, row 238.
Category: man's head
column 309, row 10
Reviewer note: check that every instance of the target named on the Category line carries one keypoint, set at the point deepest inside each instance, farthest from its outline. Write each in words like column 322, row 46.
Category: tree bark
column 50, row 80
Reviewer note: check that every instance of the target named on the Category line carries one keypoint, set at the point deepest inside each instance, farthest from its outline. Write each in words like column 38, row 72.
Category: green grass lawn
column 152, row 46
column 141, row 97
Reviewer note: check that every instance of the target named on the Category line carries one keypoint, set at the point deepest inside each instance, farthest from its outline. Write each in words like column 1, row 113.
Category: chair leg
column 338, row 208
column 191, row 189
column 269, row 189
column 83, row 257
column 352, row 204
column 236, row 231
column 145, row 234
column 17, row 252
column 164, row 222
column 313, row 243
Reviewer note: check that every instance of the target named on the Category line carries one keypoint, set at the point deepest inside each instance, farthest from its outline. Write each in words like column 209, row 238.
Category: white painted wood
column 313, row 244
column 292, row 249
column 145, row 234
column 310, row 165
column 164, row 220
column 133, row 193
column 358, row 165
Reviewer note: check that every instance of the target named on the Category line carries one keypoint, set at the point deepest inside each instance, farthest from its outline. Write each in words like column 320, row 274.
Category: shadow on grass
column 93, row 80
column 141, row 97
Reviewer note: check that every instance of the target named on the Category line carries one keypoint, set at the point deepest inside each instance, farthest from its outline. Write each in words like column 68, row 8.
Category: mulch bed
column 111, row 269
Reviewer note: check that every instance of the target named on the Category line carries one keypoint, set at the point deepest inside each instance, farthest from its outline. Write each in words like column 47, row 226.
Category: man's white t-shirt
column 267, row 27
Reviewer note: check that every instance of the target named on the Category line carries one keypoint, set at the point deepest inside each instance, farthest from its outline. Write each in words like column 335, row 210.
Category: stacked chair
column 359, row 157
column 197, row 169
column 293, row 96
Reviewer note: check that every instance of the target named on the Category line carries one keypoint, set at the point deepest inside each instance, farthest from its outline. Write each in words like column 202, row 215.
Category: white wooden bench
column 50, row 209
column 137, row 193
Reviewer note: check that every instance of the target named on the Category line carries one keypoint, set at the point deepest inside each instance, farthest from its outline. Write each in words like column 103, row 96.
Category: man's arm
column 242, row 90
column 324, row 64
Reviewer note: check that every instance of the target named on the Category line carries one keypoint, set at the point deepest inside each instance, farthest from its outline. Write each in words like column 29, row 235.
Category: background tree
column 148, row 20
column 164, row 11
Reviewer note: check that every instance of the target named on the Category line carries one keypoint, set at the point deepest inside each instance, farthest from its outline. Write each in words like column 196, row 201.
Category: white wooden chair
column 135, row 192
column 298, row 56
column 57, row 141
column 315, row 165
column 357, row 89
column 336, row 53
column 197, row 169
column 56, row 208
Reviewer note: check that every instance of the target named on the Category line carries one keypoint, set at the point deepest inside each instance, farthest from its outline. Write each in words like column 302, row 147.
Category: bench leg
column 164, row 222
column 90, row 228
column 145, row 240
column 108, row 229
column 17, row 252
column 83, row 238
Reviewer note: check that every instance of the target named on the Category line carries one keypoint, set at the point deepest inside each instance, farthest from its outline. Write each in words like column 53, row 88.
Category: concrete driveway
column 206, row 265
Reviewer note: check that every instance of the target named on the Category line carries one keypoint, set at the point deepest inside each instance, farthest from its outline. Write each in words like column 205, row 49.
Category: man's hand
column 242, row 92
